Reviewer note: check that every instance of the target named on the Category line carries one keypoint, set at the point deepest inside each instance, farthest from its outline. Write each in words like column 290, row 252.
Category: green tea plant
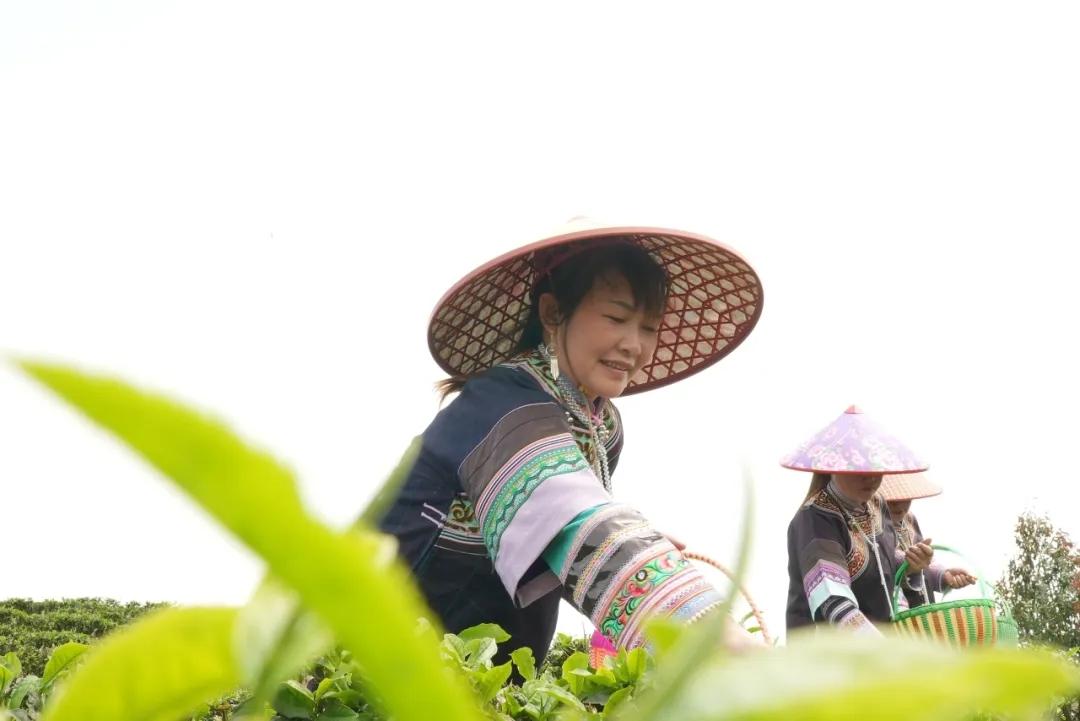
column 32, row 629
column 335, row 688
column 348, row 587
column 22, row 696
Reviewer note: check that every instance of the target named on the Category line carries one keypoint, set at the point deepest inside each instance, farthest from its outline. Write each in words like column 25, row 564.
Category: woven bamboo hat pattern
column 908, row 487
column 853, row 444
column 714, row 301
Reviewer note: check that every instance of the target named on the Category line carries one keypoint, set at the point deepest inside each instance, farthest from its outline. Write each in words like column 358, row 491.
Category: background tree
column 1042, row 583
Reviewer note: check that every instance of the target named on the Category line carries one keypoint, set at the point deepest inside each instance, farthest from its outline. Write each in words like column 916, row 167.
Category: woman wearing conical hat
column 841, row 543
column 509, row 507
column 899, row 491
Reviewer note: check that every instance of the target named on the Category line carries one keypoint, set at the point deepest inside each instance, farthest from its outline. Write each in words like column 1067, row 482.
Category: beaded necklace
column 870, row 541
column 580, row 408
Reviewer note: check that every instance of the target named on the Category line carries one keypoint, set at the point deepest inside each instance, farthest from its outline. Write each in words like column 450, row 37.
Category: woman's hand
column 919, row 556
column 958, row 578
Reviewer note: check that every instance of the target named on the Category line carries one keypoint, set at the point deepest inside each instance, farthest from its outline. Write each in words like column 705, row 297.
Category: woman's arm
column 822, row 562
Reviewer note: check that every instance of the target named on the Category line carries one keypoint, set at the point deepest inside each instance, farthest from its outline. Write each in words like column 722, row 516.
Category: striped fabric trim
column 685, row 597
column 516, row 480
column 622, row 573
column 856, row 622
column 600, row 517
column 560, row 552
column 640, row 590
column 518, row 428
column 824, row 580
column 607, row 554
column 550, row 506
column 460, row 532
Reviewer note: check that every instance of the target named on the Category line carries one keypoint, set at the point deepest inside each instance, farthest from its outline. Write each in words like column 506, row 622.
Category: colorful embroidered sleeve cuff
column 620, row 572
column 527, row 479
column 826, row 580
column 844, row 614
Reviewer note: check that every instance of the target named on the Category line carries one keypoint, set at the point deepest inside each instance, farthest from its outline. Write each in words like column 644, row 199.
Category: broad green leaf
column 526, row 664
column 491, row 680
column 275, row 638
column 348, row 696
column 577, row 661
column 326, row 685
column 335, row 710
column 480, row 650
column 22, row 687
column 292, row 700
column 276, row 635
column 663, row 634
column 485, row 630
column 164, row 664
column 636, row 663
column 6, row 677
column 10, row 669
column 10, row 661
column 838, row 677
column 349, row 579
column 61, row 660
column 617, row 699
column 453, row 648
column 564, row 697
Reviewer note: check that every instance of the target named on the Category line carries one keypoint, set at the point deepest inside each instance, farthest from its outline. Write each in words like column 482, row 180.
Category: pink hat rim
column 886, row 455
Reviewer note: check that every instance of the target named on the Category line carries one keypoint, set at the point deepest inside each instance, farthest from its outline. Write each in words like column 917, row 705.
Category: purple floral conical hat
column 853, row 444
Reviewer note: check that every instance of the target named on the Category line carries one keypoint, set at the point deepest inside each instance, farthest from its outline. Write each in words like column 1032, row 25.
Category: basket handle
column 984, row 588
column 758, row 615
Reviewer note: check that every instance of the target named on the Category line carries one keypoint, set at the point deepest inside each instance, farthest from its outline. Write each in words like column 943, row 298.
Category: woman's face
column 859, row 487
column 606, row 341
column 899, row 509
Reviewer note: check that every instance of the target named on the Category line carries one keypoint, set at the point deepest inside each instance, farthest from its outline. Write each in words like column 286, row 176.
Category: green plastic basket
column 961, row 623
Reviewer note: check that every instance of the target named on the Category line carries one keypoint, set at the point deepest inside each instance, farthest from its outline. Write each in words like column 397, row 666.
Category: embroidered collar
column 594, row 424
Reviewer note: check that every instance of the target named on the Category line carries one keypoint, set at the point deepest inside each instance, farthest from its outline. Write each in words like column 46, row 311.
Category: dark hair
column 819, row 481
column 572, row 279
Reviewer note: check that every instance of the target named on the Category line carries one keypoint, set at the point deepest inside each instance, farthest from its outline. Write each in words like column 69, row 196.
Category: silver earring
column 554, row 361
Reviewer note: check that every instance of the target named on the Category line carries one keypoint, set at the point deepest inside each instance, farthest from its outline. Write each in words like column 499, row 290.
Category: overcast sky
column 253, row 206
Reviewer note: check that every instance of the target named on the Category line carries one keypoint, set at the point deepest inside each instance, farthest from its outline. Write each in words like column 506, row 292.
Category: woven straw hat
column 714, row 301
column 908, row 487
column 853, row 444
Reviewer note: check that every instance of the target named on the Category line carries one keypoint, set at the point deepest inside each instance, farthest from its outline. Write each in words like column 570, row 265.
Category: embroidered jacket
column 505, row 512
column 833, row 576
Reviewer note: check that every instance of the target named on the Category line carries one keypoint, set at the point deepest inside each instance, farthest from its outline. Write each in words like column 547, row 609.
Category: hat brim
column 908, row 487
column 849, row 472
column 714, row 302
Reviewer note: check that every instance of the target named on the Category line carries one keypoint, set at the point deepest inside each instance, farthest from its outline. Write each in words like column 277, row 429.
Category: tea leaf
column 21, row 689
column 275, row 637
column 840, row 677
column 526, row 664
column 349, row 579
column 161, row 666
column 294, row 701
column 491, row 681
column 61, row 660
column 485, row 630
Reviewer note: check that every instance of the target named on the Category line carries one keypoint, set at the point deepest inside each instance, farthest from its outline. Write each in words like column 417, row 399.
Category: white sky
column 254, row 207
